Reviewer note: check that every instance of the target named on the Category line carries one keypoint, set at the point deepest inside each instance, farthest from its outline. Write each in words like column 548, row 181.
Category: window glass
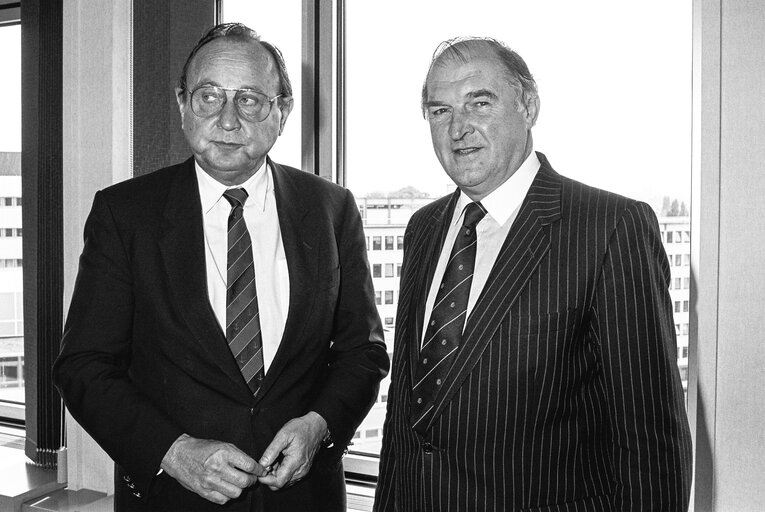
column 279, row 23
column 11, row 282
column 604, row 120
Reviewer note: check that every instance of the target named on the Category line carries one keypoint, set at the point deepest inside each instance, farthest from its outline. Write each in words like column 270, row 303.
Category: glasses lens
column 207, row 101
column 253, row 105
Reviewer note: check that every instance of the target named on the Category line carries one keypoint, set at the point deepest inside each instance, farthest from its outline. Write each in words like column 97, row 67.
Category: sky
column 10, row 89
column 614, row 81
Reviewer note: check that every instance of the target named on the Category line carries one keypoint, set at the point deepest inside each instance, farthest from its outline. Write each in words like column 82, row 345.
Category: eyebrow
column 482, row 92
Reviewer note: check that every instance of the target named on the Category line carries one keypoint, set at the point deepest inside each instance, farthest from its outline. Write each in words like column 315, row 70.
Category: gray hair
column 460, row 48
column 240, row 32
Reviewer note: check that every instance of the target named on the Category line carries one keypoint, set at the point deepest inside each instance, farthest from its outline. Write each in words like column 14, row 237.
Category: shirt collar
column 505, row 199
column 211, row 190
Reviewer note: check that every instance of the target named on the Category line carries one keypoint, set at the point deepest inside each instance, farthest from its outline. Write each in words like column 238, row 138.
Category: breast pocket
column 535, row 325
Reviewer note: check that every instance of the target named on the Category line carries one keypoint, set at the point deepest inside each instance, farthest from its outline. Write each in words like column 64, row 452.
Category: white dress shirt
column 502, row 206
column 271, row 274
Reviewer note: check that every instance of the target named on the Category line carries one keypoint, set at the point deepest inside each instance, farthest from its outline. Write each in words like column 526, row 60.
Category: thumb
column 273, row 451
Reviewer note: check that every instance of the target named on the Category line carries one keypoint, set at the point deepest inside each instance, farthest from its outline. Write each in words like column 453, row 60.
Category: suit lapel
column 300, row 249
column 182, row 246
column 520, row 255
column 434, row 233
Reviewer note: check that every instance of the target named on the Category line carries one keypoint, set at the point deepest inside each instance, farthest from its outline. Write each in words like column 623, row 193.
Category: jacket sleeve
column 91, row 372
column 358, row 359
column 632, row 326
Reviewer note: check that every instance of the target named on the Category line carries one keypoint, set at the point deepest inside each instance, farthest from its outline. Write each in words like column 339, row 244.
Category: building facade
column 11, row 280
column 385, row 220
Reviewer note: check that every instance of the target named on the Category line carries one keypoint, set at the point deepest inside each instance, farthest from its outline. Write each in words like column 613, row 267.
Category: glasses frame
column 225, row 96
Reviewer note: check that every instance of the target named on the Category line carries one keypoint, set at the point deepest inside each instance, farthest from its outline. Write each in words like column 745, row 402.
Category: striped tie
column 444, row 332
column 242, row 317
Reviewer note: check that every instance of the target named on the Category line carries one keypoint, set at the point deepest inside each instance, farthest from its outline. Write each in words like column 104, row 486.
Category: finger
column 218, row 486
column 238, row 459
column 274, row 450
column 238, row 478
column 215, row 497
column 277, row 479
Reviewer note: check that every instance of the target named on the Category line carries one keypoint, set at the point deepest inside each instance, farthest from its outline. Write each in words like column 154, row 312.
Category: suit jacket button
column 427, row 448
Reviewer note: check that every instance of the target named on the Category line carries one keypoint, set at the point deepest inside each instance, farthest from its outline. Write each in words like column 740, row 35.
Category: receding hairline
column 474, row 50
column 237, row 38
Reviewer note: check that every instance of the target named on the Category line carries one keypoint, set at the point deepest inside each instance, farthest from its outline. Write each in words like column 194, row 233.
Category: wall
column 728, row 386
column 97, row 127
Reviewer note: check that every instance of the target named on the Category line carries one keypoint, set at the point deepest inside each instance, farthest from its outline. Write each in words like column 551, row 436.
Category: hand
column 296, row 443
column 215, row 470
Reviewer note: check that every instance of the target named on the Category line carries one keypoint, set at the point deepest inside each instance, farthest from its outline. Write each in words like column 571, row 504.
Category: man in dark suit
column 534, row 359
column 223, row 342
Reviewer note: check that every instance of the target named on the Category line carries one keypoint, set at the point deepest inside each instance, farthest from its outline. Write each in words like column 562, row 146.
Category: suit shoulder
column 435, row 207
column 147, row 186
column 308, row 180
column 582, row 201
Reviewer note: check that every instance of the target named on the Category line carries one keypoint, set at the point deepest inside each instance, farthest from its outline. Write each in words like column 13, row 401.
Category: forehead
column 233, row 63
column 462, row 75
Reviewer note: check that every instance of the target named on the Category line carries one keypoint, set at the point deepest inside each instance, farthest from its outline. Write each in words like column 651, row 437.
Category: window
column 389, row 296
column 12, row 388
column 677, row 306
column 686, row 260
column 378, row 297
column 390, row 194
column 389, row 270
column 687, row 283
column 685, row 352
column 678, row 260
column 685, row 306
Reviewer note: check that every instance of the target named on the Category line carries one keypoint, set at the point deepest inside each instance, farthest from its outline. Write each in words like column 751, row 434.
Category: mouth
column 227, row 145
column 466, row 151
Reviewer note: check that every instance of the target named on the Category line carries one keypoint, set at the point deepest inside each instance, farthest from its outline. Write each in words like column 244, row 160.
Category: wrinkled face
column 228, row 147
column 480, row 132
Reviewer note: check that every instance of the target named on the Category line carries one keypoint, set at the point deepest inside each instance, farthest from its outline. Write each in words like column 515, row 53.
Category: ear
column 532, row 110
column 285, row 107
column 180, row 98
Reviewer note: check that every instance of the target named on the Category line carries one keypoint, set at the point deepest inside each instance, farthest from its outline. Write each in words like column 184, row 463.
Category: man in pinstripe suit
column 561, row 392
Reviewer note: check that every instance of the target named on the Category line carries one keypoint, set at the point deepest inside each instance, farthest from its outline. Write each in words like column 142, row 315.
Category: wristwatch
column 327, row 441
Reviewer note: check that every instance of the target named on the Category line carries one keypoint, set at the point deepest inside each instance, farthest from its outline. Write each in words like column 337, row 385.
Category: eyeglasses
column 208, row 100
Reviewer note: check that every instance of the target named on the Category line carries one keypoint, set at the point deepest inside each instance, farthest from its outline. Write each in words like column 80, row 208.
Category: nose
column 460, row 124
column 228, row 119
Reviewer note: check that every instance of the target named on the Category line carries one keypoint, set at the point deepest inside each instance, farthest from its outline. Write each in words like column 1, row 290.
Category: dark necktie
column 242, row 317
column 447, row 320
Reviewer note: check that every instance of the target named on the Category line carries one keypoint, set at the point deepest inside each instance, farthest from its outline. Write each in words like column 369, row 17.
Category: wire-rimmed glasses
column 208, row 100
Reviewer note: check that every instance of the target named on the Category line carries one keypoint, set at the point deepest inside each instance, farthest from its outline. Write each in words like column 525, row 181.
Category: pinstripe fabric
column 565, row 395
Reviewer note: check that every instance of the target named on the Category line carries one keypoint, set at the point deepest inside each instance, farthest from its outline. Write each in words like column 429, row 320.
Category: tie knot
column 474, row 212
column 236, row 196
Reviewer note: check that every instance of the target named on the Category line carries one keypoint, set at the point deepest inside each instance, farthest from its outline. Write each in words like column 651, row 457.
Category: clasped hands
column 220, row 471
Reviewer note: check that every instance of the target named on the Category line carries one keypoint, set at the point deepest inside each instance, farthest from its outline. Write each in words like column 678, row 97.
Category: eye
column 438, row 111
column 209, row 95
column 249, row 99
